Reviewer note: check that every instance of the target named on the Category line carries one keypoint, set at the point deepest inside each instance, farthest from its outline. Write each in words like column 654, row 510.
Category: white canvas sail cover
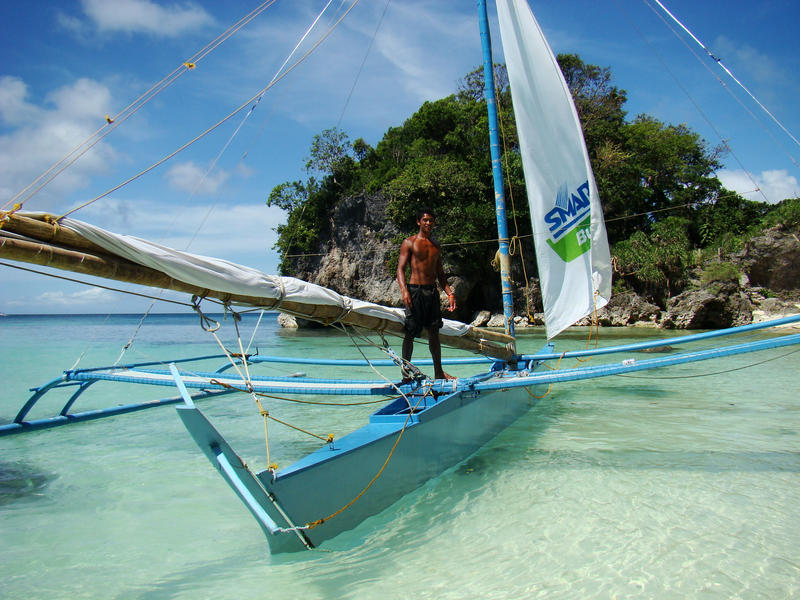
column 224, row 276
column 568, row 228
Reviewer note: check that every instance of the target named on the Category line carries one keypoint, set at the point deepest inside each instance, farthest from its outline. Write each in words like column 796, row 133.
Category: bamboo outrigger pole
column 59, row 247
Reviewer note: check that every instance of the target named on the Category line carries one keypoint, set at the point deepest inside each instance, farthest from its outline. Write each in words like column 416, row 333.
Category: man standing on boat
column 420, row 295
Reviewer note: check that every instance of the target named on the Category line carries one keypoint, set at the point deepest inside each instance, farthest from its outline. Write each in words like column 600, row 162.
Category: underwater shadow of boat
column 18, row 480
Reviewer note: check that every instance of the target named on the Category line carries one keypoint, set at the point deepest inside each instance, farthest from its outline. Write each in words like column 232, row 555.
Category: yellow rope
column 594, row 329
column 266, row 414
column 549, row 387
column 314, row 524
column 5, row 214
column 516, row 240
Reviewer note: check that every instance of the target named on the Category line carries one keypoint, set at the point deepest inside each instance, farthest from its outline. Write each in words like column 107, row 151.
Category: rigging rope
column 221, row 121
column 105, row 287
column 732, row 76
column 405, row 365
column 363, row 62
column 112, row 123
column 318, row 522
column 691, row 99
column 708, row 374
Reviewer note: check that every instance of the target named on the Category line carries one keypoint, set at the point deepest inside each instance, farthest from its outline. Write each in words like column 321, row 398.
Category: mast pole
column 497, row 168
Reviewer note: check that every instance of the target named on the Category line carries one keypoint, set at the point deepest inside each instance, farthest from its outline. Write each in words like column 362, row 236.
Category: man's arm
column 451, row 298
column 402, row 263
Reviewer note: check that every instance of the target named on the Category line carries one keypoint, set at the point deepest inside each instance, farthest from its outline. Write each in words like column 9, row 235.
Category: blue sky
column 65, row 65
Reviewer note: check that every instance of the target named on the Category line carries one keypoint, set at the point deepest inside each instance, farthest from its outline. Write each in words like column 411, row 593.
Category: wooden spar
column 44, row 231
column 76, row 254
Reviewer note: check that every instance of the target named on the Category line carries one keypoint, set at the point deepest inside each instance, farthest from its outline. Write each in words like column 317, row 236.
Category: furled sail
column 83, row 248
column 568, row 228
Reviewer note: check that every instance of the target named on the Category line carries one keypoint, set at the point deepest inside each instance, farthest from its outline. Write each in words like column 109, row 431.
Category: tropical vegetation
column 664, row 207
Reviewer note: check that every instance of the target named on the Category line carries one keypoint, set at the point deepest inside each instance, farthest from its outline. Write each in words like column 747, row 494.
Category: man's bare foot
column 447, row 377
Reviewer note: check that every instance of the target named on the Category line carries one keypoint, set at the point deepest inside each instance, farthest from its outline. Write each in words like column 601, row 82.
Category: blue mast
column 497, row 169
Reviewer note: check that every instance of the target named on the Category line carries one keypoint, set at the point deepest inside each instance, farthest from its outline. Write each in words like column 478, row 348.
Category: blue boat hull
column 366, row 471
column 441, row 436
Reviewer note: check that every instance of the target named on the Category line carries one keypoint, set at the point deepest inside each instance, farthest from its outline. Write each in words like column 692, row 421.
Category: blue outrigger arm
column 204, row 386
column 85, row 378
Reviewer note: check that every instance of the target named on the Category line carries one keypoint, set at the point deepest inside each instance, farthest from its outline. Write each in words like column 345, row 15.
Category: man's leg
column 408, row 350
column 408, row 347
column 436, row 353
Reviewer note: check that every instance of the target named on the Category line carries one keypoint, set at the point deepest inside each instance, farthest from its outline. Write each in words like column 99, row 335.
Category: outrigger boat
column 429, row 425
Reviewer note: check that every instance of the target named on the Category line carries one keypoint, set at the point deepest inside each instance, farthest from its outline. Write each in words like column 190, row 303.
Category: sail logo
column 570, row 222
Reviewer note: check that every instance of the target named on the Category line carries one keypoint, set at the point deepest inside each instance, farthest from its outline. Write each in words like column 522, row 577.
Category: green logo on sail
column 575, row 242
column 570, row 223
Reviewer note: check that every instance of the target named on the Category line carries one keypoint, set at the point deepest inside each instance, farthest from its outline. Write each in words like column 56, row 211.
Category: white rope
column 371, row 366
column 731, row 75
column 255, row 330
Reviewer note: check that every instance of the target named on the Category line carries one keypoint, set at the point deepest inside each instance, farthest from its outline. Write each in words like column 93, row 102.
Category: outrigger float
column 214, row 384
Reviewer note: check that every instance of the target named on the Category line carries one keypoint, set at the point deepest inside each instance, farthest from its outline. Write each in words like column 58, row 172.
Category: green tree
column 598, row 102
column 308, row 204
column 785, row 213
column 664, row 170
column 329, row 152
column 728, row 215
column 655, row 263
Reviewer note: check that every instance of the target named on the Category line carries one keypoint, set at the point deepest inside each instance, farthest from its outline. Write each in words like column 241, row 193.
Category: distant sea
column 683, row 483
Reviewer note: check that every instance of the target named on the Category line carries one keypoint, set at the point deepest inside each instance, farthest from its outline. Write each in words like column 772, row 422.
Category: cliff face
column 355, row 259
column 358, row 257
column 772, row 260
column 359, row 254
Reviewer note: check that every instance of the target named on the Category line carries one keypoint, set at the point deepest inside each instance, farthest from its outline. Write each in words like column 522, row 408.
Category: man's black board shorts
column 425, row 312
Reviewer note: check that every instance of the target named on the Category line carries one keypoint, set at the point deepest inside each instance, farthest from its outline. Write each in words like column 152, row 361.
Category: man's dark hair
column 425, row 210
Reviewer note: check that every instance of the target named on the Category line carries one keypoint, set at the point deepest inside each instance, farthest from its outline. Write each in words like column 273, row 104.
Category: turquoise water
column 649, row 487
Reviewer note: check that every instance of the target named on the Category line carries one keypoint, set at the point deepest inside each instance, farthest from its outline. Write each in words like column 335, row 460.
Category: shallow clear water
column 647, row 486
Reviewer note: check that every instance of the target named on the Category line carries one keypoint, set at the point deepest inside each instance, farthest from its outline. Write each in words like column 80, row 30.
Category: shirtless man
column 420, row 294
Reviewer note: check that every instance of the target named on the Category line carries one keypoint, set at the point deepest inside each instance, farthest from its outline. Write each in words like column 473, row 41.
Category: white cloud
column 76, row 299
column 14, row 107
column 775, row 185
column 242, row 233
column 406, row 46
column 436, row 47
column 41, row 135
column 192, row 178
column 144, row 16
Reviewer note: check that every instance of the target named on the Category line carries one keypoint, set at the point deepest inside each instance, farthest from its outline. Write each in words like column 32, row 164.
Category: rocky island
column 761, row 280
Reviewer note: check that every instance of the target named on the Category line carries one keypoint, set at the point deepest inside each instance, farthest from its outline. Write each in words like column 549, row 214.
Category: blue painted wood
column 23, row 426
column 634, row 364
column 360, row 362
column 497, row 167
column 693, row 337
column 241, row 479
column 445, row 433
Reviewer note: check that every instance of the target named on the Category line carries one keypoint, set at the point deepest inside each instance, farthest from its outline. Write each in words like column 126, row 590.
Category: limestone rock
column 481, row 319
column 712, row 307
column 287, row 321
column 497, row 320
column 628, row 309
column 770, row 260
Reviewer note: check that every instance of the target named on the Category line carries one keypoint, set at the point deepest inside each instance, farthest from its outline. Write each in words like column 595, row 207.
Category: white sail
column 568, row 228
